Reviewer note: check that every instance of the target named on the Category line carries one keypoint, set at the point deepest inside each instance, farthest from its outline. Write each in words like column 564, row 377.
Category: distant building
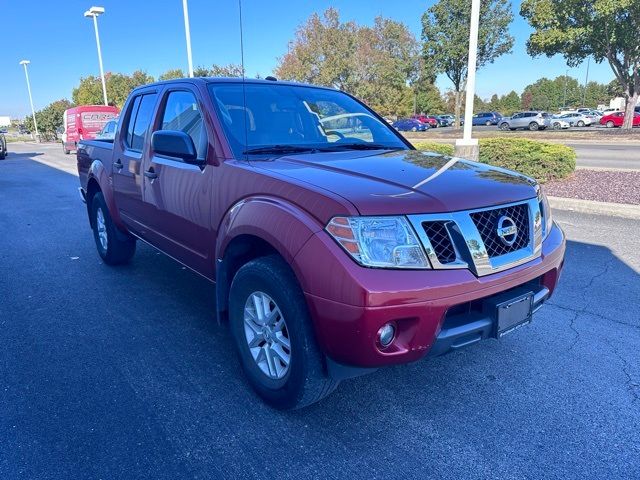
column 619, row 103
column 5, row 121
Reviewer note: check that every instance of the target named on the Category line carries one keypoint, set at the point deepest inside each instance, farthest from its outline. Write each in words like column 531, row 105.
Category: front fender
column 283, row 225
column 99, row 173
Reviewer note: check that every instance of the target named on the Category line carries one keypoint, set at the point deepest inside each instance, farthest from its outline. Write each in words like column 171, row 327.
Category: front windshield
column 282, row 117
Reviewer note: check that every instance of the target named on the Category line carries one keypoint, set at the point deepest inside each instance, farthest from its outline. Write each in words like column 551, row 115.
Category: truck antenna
column 244, row 92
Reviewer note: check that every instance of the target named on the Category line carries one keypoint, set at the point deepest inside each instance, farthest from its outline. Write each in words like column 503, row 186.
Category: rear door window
column 143, row 119
column 132, row 120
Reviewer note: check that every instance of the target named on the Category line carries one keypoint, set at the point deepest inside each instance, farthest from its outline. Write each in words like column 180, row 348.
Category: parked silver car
column 578, row 119
column 527, row 120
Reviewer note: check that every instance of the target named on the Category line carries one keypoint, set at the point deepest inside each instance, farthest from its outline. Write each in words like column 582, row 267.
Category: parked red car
column 84, row 123
column 616, row 119
column 429, row 119
column 336, row 248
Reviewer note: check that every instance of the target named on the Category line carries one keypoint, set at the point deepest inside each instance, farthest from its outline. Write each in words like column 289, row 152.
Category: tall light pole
column 467, row 147
column 187, row 32
column 586, row 80
column 24, row 63
column 93, row 12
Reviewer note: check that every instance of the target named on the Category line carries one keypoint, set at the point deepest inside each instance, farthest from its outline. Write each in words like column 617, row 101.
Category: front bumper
column 349, row 303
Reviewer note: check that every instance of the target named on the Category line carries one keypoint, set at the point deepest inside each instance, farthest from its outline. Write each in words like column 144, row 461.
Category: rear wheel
column 610, row 124
column 504, row 126
column 64, row 149
column 488, row 123
column 533, row 126
column 414, row 129
column 556, row 126
column 580, row 123
column 274, row 336
column 114, row 247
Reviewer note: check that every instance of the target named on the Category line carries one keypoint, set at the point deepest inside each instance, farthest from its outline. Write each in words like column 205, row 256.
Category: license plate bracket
column 513, row 314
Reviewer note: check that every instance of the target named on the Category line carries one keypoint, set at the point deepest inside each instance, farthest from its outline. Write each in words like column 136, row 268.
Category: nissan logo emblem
column 507, row 230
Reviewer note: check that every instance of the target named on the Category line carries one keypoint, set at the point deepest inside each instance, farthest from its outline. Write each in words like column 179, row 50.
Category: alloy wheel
column 267, row 335
column 101, row 227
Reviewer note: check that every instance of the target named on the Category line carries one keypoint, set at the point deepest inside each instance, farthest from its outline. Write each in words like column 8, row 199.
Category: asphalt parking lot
column 124, row 373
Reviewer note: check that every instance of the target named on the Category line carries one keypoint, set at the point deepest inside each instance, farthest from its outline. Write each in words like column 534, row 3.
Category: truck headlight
column 545, row 209
column 383, row 242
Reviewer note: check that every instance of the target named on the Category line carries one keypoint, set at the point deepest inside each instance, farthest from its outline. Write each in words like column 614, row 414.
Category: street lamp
column 187, row 32
column 24, row 63
column 94, row 12
column 467, row 147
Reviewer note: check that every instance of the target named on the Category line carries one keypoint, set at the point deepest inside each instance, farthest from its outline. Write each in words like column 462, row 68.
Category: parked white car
column 558, row 123
column 577, row 119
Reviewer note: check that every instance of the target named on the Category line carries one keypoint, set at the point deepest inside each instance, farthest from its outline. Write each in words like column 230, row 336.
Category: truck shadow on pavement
column 125, row 370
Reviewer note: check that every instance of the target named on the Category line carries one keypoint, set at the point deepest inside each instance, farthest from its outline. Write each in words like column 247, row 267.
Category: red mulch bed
column 599, row 185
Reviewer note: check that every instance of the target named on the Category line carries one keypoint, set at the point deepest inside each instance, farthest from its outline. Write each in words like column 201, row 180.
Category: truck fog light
column 386, row 334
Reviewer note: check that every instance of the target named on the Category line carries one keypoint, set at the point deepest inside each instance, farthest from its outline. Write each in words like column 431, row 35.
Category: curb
column 624, row 210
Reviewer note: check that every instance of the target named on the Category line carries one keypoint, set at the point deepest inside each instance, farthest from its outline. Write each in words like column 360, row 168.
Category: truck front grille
column 487, row 223
column 440, row 241
column 484, row 240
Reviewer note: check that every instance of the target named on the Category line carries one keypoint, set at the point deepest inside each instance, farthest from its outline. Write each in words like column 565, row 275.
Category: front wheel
column 114, row 247
column 533, row 126
column 64, row 149
column 488, row 123
column 414, row 129
column 274, row 336
column 556, row 126
column 610, row 124
column 580, row 123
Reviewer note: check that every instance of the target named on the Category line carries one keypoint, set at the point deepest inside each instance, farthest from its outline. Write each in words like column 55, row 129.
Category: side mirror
column 174, row 143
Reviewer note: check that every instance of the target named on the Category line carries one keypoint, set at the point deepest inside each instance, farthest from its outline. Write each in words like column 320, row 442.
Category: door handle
column 118, row 164
column 150, row 174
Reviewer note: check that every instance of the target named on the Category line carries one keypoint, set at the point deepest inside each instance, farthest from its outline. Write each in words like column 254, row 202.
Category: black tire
column 120, row 246
column 556, row 126
column 504, row 126
column 414, row 129
column 64, row 149
column 610, row 124
column 533, row 126
column 488, row 123
column 306, row 381
column 580, row 123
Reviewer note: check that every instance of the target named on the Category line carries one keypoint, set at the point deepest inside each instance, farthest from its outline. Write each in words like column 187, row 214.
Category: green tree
column 602, row 29
column 445, row 33
column 231, row 70
column 119, row 85
column 510, row 103
column 379, row 64
column 172, row 74
column 49, row 119
column 546, row 94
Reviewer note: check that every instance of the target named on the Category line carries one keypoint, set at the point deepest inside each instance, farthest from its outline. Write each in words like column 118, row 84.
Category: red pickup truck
column 336, row 248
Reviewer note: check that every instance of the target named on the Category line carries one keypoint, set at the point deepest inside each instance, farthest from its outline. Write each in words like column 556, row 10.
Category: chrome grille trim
column 471, row 252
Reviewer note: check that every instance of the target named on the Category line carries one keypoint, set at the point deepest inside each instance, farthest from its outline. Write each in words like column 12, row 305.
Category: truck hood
column 405, row 181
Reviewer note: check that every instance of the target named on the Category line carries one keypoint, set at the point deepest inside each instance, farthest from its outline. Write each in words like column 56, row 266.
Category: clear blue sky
column 60, row 42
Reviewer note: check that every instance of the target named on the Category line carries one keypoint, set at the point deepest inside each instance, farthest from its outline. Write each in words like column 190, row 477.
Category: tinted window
column 143, row 119
column 132, row 120
column 181, row 113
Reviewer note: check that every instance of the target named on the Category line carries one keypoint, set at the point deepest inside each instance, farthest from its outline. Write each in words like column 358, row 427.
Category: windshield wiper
column 279, row 149
column 360, row 146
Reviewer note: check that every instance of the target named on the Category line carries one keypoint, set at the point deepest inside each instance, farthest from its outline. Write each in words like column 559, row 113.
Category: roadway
column 124, row 372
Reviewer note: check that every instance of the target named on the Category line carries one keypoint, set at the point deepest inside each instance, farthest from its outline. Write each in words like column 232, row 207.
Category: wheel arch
column 256, row 227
